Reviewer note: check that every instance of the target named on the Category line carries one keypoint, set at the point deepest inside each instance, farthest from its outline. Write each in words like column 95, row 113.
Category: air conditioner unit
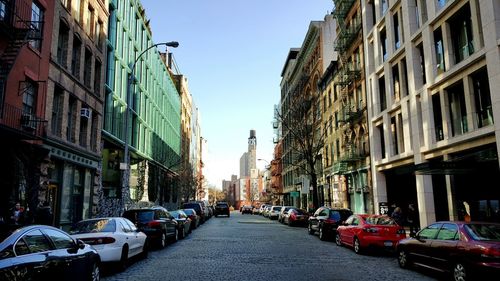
column 85, row 113
column 28, row 121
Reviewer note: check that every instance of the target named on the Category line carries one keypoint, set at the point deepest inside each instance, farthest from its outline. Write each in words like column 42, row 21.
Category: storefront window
column 87, row 195
column 66, row 190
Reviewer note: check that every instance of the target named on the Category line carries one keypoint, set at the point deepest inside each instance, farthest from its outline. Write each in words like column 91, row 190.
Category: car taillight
column 492, row 253
column 401, row 231
column 332, row 221
column 293, row 216
column 370, row 230
column 99, row 240
column 154, row 224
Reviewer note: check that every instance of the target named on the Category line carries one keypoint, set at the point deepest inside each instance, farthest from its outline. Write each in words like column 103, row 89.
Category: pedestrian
column 397, row 216
column 44, row 214
column 17, row 214
column 411, row 218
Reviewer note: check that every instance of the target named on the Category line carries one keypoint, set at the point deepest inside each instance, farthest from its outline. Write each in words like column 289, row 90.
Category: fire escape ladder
column 17, row 26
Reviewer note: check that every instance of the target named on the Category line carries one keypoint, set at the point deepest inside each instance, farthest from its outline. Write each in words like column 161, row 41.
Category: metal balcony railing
column 27, row 125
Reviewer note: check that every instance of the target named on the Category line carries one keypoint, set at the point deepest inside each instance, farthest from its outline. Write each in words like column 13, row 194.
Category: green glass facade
column 155, row 117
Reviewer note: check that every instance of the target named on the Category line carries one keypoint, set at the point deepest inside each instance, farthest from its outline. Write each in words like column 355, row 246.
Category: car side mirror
column 80, row 244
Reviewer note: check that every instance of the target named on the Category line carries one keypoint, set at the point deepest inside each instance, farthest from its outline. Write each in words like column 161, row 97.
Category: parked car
column 41, row 252
column 295, row 216
column 156, row 222
column 262, row 209
column 183, row 223
column 326, row 220
column 283, row 211
column 364, row 231
column 266, row 211
column 247, row 209
column 116, row 239
column 274, row 212
column 465, row 249
column 198, row 208
column 195, row 219
column 222, row 208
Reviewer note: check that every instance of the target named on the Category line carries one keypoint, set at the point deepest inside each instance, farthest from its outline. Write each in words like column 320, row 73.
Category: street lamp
column 125, row 165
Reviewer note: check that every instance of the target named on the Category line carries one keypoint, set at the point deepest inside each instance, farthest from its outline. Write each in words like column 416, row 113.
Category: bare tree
column 187, row 183
column 304, row 136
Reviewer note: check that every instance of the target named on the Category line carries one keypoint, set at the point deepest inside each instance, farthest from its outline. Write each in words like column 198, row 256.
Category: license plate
column 388, row 243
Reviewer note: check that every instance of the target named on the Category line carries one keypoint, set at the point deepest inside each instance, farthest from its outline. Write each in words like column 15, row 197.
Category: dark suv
column 326, row 220
column 198, row 208
column 221, row 208
column 156, row 222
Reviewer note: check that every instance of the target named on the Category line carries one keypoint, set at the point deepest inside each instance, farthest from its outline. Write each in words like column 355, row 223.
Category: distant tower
column 252, row 150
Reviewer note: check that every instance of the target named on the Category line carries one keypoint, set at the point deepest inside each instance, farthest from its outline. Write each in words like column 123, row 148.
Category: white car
column 274, row 212
column 116, row 239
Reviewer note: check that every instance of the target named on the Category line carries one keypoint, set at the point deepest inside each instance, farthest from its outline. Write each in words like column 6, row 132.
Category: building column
column 379, row 189
column 425, row 199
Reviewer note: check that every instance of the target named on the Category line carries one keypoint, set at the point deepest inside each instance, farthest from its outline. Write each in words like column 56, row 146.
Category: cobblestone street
column 250, row 247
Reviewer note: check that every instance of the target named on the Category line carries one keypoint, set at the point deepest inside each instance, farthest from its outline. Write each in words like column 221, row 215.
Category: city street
column 251, row 247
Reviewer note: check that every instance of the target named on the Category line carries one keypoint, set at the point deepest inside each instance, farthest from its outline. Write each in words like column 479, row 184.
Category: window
column 420, row 49
column 66, row 4
column 87, row 73
column 36, row 242
column 89, row 22
column 381, row 92
column 57, row 111
column 441, row 3
column 482, row 98
column 397, row 31
column 61, row 240
column 438, row 118
column 75, row 57
column 429, row 232
column 384, row 5
column 77, row 10
column 404, row 73
column 97, row 34
column 36, row 25
column 448, row 232
column 97, row 77
column 394, row 136
column 439, row 48
column 29, row 89
column 456, row 105
column 380, row 129
column 396, row 84
column 62, row 44
column 383, row 44
column 461, row 34
column 71, row 120
column 93, row 133
column 83, row 130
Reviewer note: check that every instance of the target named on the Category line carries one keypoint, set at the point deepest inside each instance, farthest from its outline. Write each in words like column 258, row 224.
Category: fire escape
column 18, row 28
column 349, row 72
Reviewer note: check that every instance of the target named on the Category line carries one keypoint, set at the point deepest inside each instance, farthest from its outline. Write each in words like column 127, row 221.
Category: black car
column 158, row 224
column 183, row 223
column 221, row 208
column 198, row 208
column 41, row 252
column 247, row 209
column 326, row 220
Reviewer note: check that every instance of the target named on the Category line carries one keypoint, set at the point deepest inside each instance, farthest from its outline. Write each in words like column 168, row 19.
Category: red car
column 364, row 231
column 295, row 216
column 468, row 250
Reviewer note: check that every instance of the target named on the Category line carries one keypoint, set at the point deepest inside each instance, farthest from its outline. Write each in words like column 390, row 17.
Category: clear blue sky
column 232, row 52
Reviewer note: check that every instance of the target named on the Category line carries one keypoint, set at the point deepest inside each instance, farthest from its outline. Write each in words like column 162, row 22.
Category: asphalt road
column 251, row 247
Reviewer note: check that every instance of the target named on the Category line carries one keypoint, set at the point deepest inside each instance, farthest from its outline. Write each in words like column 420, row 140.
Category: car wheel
column 95, row 273
column 310, row 230
column 145, row 250
column 322, row 235
column 459, row 272
column 403, row 259
column 357, row 246
column 337, row 240
column 124, row 258
column 163, row 240
column 176, row 235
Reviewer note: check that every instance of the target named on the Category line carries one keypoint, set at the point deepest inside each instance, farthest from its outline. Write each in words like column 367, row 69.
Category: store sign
column 383, row 208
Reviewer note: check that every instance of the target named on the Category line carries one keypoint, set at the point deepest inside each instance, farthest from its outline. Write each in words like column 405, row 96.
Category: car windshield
column 189, row 212
column 299, row 211
column 484, row 232
column 276, row 208
column 380, row 221
column 175, row 214
column 140, row 216
column 92, row 226
column 222, row 205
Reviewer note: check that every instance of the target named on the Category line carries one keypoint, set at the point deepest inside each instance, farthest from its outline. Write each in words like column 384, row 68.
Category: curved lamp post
column 125, row 166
